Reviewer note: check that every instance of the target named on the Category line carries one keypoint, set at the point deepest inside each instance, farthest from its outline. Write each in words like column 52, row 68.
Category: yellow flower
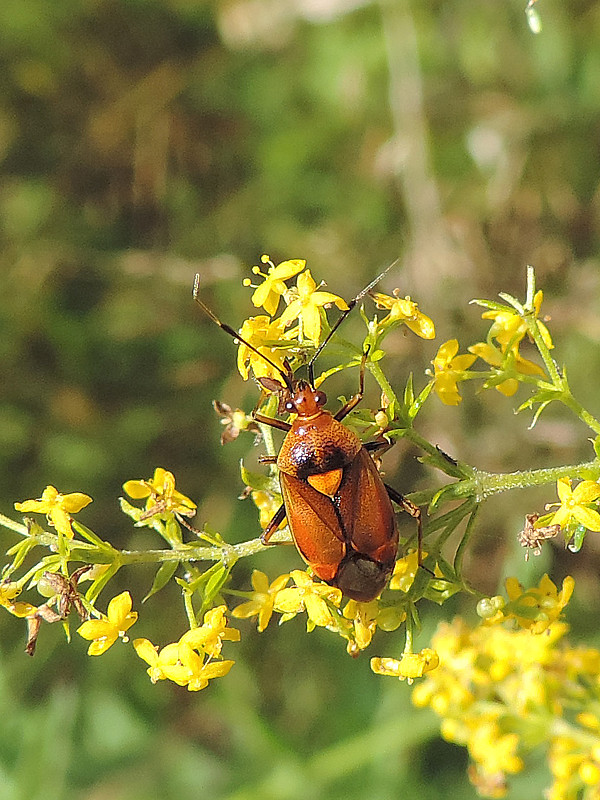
column 268, row 293
column 263, row 599
column 537, row 608
column 405, row 570
column 574, row 504
column 411, row 665
column 449, row 368
column 9, row 591
column 267, row 505
column 209, row 636
column 364, row 617
column 498, row 358
column 495, row 687
column 57, row 508
column 508, row 327
column 168, row 656
column 264, row 335
column 307, row 304
column 162, row 495
column 193, row 670
column 494, row 752
column 105, row 632
column 310, row 596
column 403, row 309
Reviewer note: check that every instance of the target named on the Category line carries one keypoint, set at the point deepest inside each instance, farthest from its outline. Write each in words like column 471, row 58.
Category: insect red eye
column 289, row 406
column 320, row 398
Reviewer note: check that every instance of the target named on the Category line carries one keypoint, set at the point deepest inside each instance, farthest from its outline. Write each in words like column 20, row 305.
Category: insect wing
column 366, row 510
column 315, row 526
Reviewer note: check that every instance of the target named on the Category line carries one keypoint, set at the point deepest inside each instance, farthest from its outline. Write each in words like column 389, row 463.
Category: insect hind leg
column 414, row 511
column 274, row 523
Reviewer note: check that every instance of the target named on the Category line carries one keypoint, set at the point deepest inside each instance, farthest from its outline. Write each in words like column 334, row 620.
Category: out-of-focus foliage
column 144, row 140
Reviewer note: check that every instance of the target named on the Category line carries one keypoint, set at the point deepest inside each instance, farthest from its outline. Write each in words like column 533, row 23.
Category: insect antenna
column 235, row 335
column 342, row 317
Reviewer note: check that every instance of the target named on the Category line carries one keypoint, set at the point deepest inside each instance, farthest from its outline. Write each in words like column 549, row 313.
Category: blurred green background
column 142, row 141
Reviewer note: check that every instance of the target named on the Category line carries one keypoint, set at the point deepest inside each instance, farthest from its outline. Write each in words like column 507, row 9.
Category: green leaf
column 396, row 433
column 440, row 590
column 536, row 416
column 576, row 542
column 418, row 403
column 163, row 575
column 20, row 552
column 67, row 630
column 131, row 511
column 259, row 481
column 173, row 531
column 88, row 534
column 492, row 305
column 47, row 564
column 100, row 582
column 211, row 535
column 409, row 394
column 214, row 585
column 543, row 396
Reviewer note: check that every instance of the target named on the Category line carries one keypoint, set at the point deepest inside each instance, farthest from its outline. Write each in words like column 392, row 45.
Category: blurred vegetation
column 142, row 141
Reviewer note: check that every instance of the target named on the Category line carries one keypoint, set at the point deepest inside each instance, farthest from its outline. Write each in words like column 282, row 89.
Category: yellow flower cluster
column 501, row 692
column 534, row 609
column 274, row 339
column 193, row 660
column 196, row 658
column 356, row 622
column 500, row 351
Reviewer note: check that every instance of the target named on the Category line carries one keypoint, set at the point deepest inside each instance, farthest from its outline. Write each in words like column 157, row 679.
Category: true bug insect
column 338, row 508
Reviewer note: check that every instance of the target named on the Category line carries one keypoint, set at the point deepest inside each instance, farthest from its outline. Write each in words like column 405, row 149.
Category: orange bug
column 338, row 508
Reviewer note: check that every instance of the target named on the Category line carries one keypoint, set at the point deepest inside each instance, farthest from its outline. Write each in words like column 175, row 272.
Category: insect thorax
column 317, row 446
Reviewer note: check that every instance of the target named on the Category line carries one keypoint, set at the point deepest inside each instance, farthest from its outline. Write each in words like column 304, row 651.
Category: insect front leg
column 273, row 422
column 263, row 419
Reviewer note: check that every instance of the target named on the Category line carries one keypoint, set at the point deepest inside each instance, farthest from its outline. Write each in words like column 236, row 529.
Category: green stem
column 267, row 430
column 9, row 523
column 408, row 643
column 87, row 552
column 485, row 484
column 462, row 547
column 437, row 458
column 570, row 402
column 383, row 382
column 559, row 381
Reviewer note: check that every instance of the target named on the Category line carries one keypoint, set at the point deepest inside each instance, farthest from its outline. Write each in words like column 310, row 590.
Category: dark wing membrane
column 366, row 510
column 315, row 526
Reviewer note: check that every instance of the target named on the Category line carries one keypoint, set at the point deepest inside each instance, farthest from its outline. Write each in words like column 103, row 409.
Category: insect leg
column 355, row 399
column 380, row 447
column 272, row 421
column 415, row 513
column 274, row 523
